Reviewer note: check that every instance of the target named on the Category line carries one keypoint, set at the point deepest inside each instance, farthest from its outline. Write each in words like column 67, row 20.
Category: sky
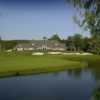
column 33, row 19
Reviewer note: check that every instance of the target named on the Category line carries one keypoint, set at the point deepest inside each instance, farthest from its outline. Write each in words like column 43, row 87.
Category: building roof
column 40, row 43
column 24, row 45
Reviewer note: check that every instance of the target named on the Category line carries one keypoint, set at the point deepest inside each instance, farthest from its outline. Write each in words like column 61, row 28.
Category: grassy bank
column 92, row 60
column 15, row 64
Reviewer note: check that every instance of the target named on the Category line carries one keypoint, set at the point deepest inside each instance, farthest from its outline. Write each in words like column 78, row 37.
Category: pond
column 66, row 85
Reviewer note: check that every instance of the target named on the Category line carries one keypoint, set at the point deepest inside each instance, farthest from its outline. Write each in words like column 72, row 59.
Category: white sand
column 38, row 53
column 54, row 53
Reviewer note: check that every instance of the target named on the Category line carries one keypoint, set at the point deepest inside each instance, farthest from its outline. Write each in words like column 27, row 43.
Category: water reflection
column 96, row 92
column 75, row 84
column 75, row 73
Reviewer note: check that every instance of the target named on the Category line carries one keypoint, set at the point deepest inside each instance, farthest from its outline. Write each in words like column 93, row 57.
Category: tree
column 96, row 93
column 0, row 43
column 75, row 42
column 89, row 18
column 90, row 15
column 94, row 45
column 70, row 43
column 0, row 39
column 78, row 41
column 86, row 44
column 55, row 37
column 10, row 44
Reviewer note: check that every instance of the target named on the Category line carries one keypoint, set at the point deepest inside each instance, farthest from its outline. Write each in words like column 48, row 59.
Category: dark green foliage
column 90, row 9
column 95, row 45
column 70, row 43
column 0, row 39
column 96, row 94
column 85, row 45
column 75, row 42
column 89, row 18
column 78, row 41
column 0, row 43
column 55, row 37
column 10, row 44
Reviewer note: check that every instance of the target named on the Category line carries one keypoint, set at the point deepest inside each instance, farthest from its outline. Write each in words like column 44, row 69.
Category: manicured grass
column 12, row 63
column 17, row 63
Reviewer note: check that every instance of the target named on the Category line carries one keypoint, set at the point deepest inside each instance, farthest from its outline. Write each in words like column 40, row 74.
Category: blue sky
column 33, row 19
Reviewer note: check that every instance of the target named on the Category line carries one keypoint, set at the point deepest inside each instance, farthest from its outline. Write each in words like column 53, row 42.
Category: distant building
column 41, row 45
column 24, row 46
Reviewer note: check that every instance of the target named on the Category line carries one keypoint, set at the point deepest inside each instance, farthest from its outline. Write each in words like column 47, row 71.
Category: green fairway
column 17, row 63
column 25, row 63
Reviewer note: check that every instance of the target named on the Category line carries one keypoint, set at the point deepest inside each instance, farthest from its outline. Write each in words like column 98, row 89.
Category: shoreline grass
column 92, row 60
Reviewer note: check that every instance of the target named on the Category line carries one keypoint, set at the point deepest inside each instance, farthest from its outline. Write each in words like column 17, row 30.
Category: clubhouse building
column 41, row 45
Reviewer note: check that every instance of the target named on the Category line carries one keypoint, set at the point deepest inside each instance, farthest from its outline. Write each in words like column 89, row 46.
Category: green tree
column 75, row 42
column 70, row 43
column 10, row 44
column 89, row 18
column 96, row 94
column 78, row 41
column 55, row 37
column 94, row 45
column 86, row 44
column 89, row 15
column 0, row 43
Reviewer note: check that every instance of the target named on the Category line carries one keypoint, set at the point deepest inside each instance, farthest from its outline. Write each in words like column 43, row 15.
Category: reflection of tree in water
column 96, row 92
column 96, row 72
column 77, row 73
column 69, row 72
column 56, row 73
column 74, row 73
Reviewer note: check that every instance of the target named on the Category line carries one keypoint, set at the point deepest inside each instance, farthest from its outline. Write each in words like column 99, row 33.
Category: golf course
column 25, row 63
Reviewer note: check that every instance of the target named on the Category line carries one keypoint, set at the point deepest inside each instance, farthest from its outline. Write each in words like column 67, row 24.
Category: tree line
column 74, row 43
column 89, row 19
column 78, row 43
column 10, row 44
